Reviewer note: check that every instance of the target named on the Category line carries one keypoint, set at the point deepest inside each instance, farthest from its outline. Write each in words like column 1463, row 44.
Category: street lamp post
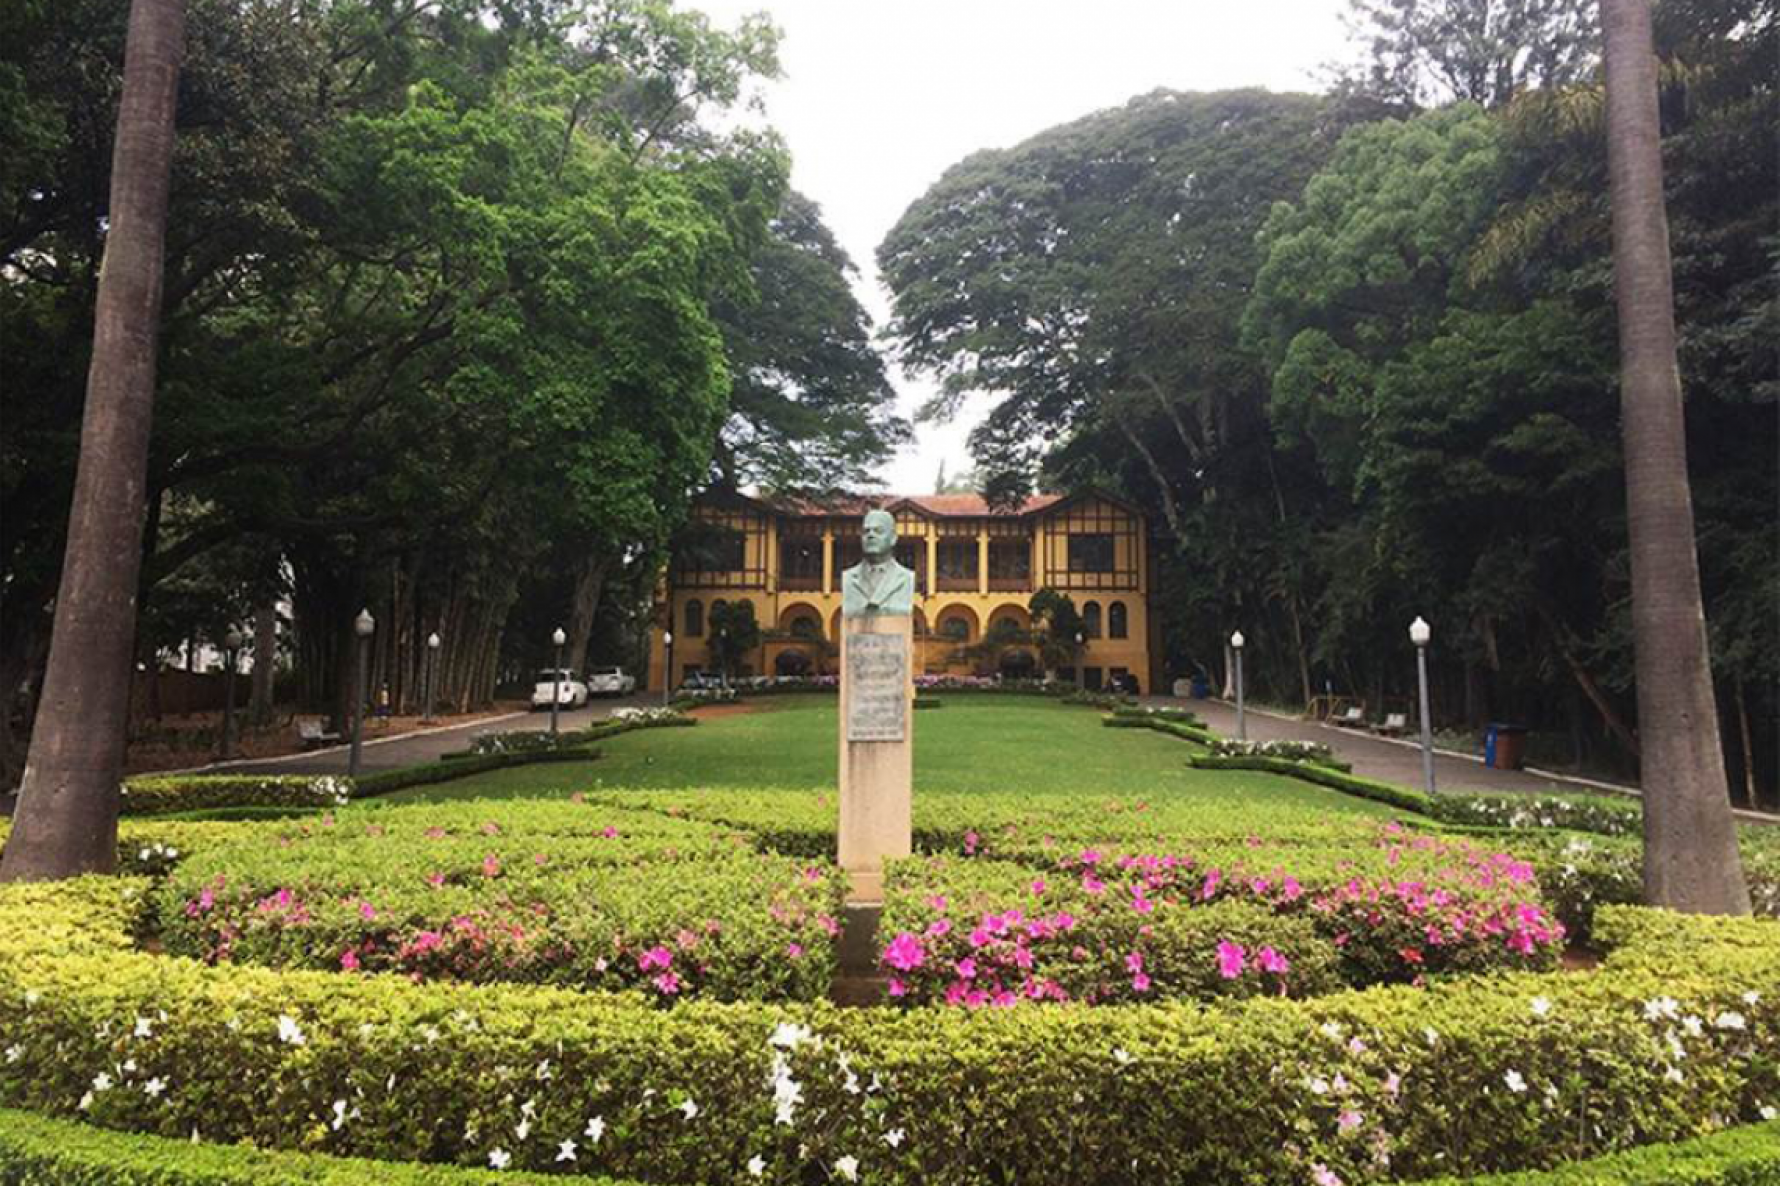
column 1236, row 641
column 362, row 626
column 556, row 676
column 433, row 643
column 667, row 666
column 231, row 656
column 1081, row 677
column 1419, row 634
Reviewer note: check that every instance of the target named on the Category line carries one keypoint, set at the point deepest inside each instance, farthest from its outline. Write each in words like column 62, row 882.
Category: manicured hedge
column 369, row 786
column 1352, row 784
column 160, row 794
column 1184, row 730
column 40, row 1151
column 1465, row 1077
column 1748, row 1156
column 1576, row 813
column 558, row 893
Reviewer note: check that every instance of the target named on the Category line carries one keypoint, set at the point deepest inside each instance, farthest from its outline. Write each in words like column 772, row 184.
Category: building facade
column 973, row 569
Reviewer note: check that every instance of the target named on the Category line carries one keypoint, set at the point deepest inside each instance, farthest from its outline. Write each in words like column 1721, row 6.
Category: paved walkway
column 412, row 749
column 1400, row 760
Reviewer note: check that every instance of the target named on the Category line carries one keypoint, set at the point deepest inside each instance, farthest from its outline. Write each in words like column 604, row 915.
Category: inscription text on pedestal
column 877, row 687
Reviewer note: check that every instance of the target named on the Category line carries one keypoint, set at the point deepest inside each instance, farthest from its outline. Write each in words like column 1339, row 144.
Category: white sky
column 878, row 99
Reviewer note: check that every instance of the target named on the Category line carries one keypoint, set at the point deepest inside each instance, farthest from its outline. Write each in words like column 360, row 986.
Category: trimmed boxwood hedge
column 1466, row 1076
column 40, row 1151
column 1748, row 1156
column 1352, row 784
column 160, row 794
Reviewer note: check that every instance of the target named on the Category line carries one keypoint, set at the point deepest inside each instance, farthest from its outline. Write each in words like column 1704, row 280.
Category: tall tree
column 67, row 813
column 1690, row 840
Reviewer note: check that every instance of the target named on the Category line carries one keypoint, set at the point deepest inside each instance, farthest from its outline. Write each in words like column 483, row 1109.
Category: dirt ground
column 182, row 742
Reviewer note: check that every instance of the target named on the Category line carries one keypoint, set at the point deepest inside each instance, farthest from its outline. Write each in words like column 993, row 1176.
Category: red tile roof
column 943, row 505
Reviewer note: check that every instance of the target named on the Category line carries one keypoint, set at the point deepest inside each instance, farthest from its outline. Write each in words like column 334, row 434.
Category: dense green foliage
column 1401, row 397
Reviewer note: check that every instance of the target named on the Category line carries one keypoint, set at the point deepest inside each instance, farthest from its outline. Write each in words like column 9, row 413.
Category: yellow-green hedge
column 1465, row 1077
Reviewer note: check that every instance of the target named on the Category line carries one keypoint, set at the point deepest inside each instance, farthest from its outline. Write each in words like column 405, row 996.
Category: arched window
column 1116, row 624
column 805, row 626
column 1091, row 619
column 956, row 628
column 695, row 618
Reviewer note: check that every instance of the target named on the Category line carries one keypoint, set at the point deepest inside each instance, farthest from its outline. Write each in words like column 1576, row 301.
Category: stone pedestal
column 877, row 747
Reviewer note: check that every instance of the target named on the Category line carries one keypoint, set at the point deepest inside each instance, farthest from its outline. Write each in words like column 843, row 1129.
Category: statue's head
column 877, row 536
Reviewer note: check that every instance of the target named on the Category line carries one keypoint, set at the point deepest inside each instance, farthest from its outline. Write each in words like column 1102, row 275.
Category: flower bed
column 552, row 893
column 1467, row 1076
column 1099, row 926
column 198, row 792
column 1291, row 751
column 1575, row 813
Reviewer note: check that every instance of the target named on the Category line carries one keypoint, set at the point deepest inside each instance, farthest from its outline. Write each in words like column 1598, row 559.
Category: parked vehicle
column 564, row 686
column 701, row 681
column 610, row 681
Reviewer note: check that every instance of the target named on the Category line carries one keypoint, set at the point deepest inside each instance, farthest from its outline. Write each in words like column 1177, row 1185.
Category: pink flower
column 435, row 833
column 897, row 987
column 491, row 866
column 1142, row 904
column 1272, row 961
column 1038, row 887
column 1090, row 857
column 655, row 957
column 367, row 911
column 1093, row 885
column 1348, row 1120
column 970, row 843
column 1140, row 982
column 435, row 879
column 349, row 960
column 979, row 937
column 905, row 953
column 609, row 832
column 937, row 902
column 793, row 951
column 939, row 927
column 1134, row 962
column 1322, row 1175
column 1212, row 879
column 667, row 984
column 1230, row 959
column 967, row 968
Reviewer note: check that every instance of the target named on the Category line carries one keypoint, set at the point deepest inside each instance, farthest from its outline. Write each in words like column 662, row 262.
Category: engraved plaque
column 877, row 667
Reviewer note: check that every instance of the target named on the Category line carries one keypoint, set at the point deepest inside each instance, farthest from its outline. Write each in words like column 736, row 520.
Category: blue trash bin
column 1201, row 688
column 1489, row 745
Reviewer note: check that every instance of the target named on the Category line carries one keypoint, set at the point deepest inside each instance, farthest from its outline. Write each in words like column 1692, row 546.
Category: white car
column 610, row 681
column 565, row 687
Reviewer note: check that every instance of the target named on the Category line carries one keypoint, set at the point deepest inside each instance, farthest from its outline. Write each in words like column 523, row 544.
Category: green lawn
column 975, row 744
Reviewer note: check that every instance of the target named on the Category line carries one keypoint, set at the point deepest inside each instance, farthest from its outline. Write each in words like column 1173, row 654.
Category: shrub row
column 1193, row 732
column 1351, row 784
column 40, row 1151
column 552, row 893
column 1159, row 712
column 1748, row 1156
column 160, row 794
column 451, row 767
column 1291, row 751
column 1099, row 925
column 1463, row 1077
column 1575, row 813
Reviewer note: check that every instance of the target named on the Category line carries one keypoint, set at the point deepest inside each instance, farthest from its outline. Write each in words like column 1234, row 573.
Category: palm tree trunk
column 67, row 812
column 1690, row 840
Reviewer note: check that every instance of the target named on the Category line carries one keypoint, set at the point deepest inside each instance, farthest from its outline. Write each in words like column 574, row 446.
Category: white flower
column 596, row 1128
column 143, row 855
column 1769, row 1112
column 14, row 1052
column 689, row 1109
column 544, row 1074
column 1693, row 1025
column 154, row 1087
column 1319, row 1085
column 756, row 1165
column 894, row 1137
column 499, row 1159
column 144, row 1028
column 1541, row 1006
column 1430, row 1034
column 565, row 1151
column 789, row 1036
column 1674, row 1075
column 1730, row 1021
column 847, row 1167
column 1515, row 1083
column 1752, row 998
column 101, row 1082
column 129, row 1066
column 339, row 1115
column 1121, row 1055
column 86, row 1101
column 289, row 1030
column 32, row 996
column 1658, row 1007
column 1331, row 1030
column 523, row 1129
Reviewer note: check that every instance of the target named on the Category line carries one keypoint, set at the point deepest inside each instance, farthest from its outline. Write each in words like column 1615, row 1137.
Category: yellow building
column 973, row 568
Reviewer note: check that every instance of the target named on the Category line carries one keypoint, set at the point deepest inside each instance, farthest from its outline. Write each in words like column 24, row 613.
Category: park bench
column 1394, row 723
column 313, row 736
column 1353, row 718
